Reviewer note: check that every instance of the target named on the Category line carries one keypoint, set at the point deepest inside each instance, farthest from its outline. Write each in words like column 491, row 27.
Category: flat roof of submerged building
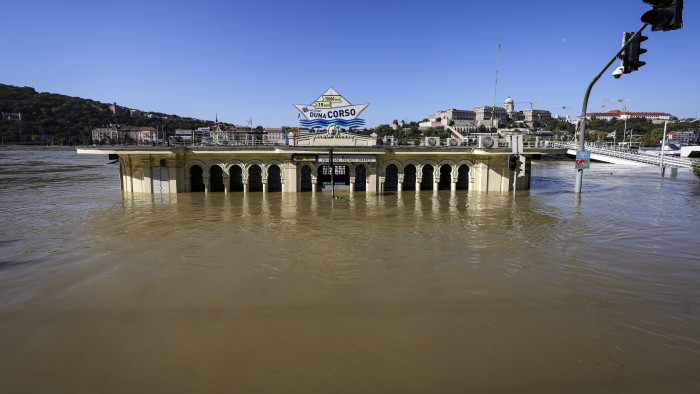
column 252, row 149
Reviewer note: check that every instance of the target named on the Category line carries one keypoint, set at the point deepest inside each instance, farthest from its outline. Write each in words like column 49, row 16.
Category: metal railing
column 470, row 142
column 627, row 154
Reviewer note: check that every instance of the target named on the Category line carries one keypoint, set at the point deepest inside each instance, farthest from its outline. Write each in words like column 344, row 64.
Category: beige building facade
column 360, row 167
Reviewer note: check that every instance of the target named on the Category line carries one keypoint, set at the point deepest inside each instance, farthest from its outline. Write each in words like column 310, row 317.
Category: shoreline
column 41, row 147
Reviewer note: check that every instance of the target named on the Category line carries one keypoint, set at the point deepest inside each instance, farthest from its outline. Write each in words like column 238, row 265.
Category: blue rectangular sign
column 583, row 160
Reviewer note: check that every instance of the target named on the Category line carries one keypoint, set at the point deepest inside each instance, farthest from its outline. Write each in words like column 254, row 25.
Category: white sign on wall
column 348, row 159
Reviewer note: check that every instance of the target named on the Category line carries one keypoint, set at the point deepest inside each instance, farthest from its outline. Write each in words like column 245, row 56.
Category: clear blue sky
column 254, row 59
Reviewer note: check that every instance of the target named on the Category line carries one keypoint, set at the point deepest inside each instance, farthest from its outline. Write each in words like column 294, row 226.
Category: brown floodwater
column 408, row 292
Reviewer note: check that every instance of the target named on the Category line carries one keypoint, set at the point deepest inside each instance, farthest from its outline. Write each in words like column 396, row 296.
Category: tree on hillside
column 62, row 118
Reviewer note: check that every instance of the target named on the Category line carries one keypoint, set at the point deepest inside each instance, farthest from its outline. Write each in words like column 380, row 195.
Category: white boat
column 670, row 148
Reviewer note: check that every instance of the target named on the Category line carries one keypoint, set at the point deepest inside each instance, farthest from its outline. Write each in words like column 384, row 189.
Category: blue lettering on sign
column 340, row 113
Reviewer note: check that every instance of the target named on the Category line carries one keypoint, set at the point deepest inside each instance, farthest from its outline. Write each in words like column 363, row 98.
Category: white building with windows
column 656, row 117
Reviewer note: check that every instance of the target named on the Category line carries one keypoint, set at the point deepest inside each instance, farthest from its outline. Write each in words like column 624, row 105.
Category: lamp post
column 330, row 163
column 663, row 147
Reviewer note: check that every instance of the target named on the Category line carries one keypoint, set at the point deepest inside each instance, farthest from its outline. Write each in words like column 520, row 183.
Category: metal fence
column 629, row 154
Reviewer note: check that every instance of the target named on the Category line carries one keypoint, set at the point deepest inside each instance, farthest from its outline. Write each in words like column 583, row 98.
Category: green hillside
column 53, row 118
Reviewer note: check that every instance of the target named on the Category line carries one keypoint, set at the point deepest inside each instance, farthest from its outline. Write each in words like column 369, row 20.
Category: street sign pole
column 330, row 162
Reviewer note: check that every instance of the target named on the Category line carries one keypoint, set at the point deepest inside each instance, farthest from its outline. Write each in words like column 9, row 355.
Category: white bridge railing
column 669, row 161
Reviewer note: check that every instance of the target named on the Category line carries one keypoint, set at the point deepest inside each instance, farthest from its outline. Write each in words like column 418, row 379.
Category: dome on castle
column 509, row 100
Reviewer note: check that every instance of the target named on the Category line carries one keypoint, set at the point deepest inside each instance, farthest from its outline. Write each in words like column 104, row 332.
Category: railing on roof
column 470, row 142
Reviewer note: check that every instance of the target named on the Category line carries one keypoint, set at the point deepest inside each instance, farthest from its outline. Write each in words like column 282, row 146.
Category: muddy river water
column 407, row 292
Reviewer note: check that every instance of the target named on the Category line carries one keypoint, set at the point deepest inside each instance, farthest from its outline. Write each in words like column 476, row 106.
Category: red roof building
column 616, row 114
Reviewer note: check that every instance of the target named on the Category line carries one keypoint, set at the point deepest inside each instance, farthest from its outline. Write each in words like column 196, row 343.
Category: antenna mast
column 495, row 88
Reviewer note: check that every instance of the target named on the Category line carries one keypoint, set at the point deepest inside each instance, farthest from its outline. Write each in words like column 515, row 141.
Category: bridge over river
column 623, row 156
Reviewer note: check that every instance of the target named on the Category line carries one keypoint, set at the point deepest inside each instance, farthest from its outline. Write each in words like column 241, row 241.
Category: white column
column 227, row 183
column 207, row 183
column 147, row 184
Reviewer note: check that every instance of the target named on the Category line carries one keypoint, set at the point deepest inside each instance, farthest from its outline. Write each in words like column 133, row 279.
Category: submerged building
column 303, row 166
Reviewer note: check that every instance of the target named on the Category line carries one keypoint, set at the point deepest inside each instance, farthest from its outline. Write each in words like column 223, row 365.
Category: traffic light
column 625, row 55
column 630, row 56
column 666, row 14
column 512, row 162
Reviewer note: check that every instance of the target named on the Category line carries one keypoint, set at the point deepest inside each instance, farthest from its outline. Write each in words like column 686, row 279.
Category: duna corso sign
column 331, row 108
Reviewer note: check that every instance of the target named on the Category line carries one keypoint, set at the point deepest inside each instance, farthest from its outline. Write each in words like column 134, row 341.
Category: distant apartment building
column 147, row 135
column 278, row 136
column 224, row 134
column 185, row 135
column 684, row 137
column 105, row 134
column 120, row 133
column 274, row 135
column 11, row 116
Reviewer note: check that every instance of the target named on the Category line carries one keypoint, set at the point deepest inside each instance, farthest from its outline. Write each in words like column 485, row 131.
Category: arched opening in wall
column 236, row 179
column 445, row 177
column 463, row 177
column 409, row 177
column 360, row 178
column 196, row 179
column 255, row 178
column 427, row 181
column 391, row 180
column 216, row 177
column 274, row 179
column 306, row 179
column 342, row 176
